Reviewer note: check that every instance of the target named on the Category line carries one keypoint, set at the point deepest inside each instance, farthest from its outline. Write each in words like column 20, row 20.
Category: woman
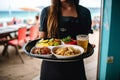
column 63, row 18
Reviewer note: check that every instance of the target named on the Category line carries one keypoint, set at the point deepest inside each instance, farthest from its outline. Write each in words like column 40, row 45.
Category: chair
column 3, row 41
column 4, row 38
column 20, row 41
column 33, row 33
column 1, row 24
column 10, row 23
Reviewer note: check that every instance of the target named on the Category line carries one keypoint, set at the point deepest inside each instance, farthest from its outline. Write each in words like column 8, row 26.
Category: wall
column 113, row 69
column 104, row 39
column 110, row 41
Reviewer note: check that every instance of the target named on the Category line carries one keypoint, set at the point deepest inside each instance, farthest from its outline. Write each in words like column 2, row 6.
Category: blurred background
column 26, row 10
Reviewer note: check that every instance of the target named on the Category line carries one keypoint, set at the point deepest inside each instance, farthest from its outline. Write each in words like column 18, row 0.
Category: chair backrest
column 22, row 33
column 10, row 23
column 1, row 24
column 33, row 32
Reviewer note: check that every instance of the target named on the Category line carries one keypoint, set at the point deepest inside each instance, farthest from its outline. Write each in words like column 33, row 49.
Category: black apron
column 65, row 70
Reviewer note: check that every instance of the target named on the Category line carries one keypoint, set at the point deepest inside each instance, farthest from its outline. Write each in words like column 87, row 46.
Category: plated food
column 69, row 40
column 61, row 48
column 41, row 51
column 48, row 42
column 67, row 51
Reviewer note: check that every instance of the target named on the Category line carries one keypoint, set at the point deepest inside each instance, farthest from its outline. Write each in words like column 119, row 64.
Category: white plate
column 40, row 55
column 70, row 56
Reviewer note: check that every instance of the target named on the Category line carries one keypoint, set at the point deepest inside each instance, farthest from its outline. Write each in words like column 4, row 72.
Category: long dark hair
column 53, row 17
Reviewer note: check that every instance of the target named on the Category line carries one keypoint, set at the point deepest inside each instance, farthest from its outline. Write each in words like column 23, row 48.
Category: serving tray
column 29, row 45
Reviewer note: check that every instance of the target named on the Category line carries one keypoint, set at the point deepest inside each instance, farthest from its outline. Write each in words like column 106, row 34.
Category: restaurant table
column 13, row 28
column 29, row 45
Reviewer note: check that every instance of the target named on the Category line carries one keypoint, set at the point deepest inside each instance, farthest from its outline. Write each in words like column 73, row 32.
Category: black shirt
column 68, row 25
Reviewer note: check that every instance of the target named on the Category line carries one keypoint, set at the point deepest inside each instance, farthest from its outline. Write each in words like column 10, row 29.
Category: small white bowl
column 68, row 56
